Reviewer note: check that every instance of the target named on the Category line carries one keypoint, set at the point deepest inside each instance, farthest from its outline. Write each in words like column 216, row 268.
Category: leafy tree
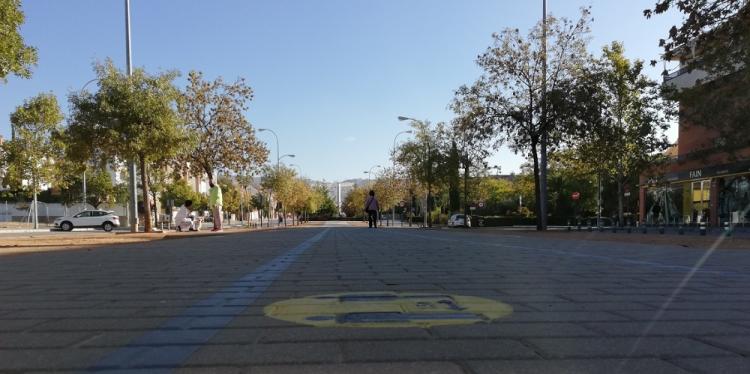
column 714, row 37
column 178, row 191
column 510, row 101
column 389, row 189
column 130, row 118
column 623, row 119
column 353, row 204
column 214, row 112
column 30, row 156
column 424, row 158
column 280, row 180
column 327, row 207
column 231, row 194
column 16, row 58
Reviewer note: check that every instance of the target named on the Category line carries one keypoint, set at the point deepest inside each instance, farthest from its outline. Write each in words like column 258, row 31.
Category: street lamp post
column 84, row 170
column 133, row 185
column 393, row 208
column 369, row 173
column 278, row 164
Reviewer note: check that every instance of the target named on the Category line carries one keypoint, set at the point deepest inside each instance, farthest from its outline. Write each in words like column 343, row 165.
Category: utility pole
column 132, row 184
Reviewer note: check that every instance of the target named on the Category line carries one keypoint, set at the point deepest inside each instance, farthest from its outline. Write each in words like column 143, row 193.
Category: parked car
column 103, row 219
column 458, row 220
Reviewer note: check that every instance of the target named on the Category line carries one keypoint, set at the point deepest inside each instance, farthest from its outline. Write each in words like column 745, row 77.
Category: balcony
column 684, row 78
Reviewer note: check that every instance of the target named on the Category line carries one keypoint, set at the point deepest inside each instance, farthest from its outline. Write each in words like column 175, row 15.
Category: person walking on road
column 215, row 202
column 372, row 208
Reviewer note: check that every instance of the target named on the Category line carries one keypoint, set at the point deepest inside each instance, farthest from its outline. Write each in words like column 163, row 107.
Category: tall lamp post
column 393, row 208
column 278, row 161
column 84, row 170
column 133, row 185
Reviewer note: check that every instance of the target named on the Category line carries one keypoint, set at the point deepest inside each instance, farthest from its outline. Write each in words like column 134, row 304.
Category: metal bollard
column 661, row 229
column 681, row 230
column 579, row 227
column 590, row 229
column 703, row 229
column 629, row 229
column 644, row 230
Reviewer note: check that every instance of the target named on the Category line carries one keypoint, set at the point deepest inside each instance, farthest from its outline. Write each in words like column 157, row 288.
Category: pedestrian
column 184, row 220
column 215, row 202
column 372, row 208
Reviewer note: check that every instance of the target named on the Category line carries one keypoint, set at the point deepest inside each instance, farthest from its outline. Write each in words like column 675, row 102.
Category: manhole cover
column 388, row 309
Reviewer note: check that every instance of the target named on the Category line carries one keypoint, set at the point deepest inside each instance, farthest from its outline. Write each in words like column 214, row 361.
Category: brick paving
column 579, row 306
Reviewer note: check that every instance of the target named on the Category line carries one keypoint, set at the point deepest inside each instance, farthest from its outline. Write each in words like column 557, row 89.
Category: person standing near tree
column 215, row 202
column 372, row 208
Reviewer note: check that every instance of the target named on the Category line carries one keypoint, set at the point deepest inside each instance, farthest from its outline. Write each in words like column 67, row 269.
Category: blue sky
column 330, row 76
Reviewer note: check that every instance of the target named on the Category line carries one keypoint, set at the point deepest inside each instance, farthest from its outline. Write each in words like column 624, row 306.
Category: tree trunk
column 35, row 219
column 543, row 183
column 535, row 157
column 467, row 213
column 620, row 213
column 144, row 190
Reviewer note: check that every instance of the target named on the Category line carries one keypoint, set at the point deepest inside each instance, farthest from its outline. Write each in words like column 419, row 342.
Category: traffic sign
column 575, row 195
column 481, row 204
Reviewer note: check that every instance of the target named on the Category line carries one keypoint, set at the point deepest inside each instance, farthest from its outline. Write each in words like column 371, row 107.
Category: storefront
column 715, row 195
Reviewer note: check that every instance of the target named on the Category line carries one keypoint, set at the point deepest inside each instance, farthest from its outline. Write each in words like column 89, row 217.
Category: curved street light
column 278, row 158
column 393, row 208
column 369, row 173
column 84, row 170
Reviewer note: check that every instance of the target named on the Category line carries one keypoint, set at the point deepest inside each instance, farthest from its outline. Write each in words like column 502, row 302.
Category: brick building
column 714, row 188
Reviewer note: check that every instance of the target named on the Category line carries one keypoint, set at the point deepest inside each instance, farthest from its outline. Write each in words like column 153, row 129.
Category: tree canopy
column 225, row 140
column 16, row 58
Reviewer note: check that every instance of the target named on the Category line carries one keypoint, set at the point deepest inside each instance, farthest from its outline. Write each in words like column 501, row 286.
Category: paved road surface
column 197, row 305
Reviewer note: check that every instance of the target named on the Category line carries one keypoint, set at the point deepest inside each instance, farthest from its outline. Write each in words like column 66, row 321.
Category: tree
column 389, row 189
column 130, row 118
column 517, row 102
column 622, row 119
column 280, row 180
column 179, row 191
column 714, row 37
column 30, row 156
column 354, row 202
column 424, row 159
column 231, row 194
column 214, row 113
column 16, row 58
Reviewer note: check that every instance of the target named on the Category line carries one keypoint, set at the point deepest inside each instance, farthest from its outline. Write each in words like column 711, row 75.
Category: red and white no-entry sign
column 575, row 195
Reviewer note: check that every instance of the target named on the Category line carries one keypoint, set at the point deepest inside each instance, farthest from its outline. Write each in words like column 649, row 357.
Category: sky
column 330, row 76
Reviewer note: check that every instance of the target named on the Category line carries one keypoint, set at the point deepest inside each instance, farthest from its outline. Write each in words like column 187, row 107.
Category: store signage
column 695, row 174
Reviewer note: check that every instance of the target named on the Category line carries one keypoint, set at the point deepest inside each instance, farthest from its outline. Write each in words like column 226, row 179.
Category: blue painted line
column 169, row 345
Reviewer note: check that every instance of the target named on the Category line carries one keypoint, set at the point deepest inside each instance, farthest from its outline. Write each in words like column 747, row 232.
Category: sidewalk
column 44, row 240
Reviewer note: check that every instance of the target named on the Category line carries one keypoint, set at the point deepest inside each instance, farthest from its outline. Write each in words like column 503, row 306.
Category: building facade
column 713, row 188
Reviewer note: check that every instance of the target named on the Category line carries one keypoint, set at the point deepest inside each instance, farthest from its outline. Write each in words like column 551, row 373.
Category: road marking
column 200, row 322
column 388, row 310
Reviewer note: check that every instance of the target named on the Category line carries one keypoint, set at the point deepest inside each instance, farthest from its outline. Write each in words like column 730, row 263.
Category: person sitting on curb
column 184, row 220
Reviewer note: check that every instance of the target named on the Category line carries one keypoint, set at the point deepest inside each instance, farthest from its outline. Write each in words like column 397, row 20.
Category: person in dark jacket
column 372, row 208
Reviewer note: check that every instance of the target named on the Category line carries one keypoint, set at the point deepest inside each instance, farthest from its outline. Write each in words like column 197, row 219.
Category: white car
column 458, row 220
column 101, row 219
